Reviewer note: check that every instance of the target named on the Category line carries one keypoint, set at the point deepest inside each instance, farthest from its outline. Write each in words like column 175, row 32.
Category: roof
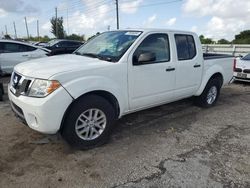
column 17, row 42
column 156, row 30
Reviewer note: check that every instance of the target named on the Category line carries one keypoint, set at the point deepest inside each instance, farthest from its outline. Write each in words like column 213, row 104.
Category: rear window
column 185, row 46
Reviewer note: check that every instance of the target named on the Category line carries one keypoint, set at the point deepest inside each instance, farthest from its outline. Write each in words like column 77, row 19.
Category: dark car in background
column 62, row 46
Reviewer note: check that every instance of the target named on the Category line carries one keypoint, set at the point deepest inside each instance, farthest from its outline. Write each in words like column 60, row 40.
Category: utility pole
column 26, row 27
column 6, row 30
column 56, row 24
column 15, row 29
column 117, row 13
column 37, row 29
column 68, row 20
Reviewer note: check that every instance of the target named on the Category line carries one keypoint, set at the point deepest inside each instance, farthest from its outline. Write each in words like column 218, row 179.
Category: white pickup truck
column 118, row 72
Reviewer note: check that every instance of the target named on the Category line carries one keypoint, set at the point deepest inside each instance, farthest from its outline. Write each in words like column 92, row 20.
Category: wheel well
column 218, row 76
column 106, row 95
column 109, row 97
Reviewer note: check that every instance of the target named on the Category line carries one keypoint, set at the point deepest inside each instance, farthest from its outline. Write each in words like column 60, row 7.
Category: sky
column 213, row 18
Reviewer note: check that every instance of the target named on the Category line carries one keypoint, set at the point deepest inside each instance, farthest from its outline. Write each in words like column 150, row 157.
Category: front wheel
column 89, row 122
column 210, row 94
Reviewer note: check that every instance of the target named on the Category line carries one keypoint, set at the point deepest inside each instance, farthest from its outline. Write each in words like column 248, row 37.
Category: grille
column 237, row 70
column 246, row 71
column 20, row 84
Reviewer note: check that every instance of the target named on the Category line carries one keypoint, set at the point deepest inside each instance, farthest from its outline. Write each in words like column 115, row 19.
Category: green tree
column 223, row 41
column 7, row 36
column 76, row 37
column 205, row 40
column 57, row 27
column 242, row 38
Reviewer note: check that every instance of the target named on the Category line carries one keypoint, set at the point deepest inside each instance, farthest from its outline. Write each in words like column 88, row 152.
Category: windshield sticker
column 134, row 33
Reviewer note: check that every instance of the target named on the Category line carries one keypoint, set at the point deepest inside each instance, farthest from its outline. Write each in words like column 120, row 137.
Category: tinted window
column 68, row 44
column 73, row 44
column 1, row 47
column 157, row 44
column 185, row 47
column 14, row 48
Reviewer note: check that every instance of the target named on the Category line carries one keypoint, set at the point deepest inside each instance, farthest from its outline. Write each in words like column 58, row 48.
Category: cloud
column 194, row 28
column 171, row 21
column 46, row 26
column 130, row 7
column 31, row 19
column 3, row 13
column 227, row 17
column 96, row 18
column 17, row 6
column 150, row 21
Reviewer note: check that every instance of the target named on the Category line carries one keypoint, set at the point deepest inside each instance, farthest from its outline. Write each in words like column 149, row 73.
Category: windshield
column 247, row 57
column 52, row 42
column 109, row 46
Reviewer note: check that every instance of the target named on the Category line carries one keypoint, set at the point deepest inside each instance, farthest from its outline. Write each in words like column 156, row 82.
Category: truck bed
column 208, row 56
column 222, row 60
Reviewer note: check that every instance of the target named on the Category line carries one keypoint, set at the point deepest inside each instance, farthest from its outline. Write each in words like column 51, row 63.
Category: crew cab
column 116, row 73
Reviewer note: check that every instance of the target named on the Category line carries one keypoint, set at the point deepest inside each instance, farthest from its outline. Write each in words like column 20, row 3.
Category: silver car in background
column 242, row 69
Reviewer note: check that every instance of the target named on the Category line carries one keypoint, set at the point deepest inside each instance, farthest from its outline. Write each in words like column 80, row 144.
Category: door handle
column 25, row 55
column 170, row 69
column 195, row 66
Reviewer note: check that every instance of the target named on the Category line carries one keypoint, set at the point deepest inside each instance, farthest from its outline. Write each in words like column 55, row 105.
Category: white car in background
column 15, row 52
column 242, row 69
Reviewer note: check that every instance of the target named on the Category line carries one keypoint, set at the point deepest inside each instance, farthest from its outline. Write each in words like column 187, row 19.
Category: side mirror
column 144, row 58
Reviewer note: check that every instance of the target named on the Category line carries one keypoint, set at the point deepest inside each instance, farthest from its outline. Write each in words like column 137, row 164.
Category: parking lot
column 175, row 145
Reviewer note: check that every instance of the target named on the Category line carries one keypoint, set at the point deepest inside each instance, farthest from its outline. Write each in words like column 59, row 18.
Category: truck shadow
column 177, row 115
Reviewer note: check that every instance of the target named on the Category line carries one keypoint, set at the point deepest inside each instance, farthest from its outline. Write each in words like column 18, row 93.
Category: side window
column 1, row 47
column 15, row 48
column 158, row 44
column 11, row 48
column 185, row 46
column 24, row 48
column 73, row 44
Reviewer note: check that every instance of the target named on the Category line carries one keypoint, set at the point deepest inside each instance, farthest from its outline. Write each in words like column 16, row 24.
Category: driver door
column 152, row 82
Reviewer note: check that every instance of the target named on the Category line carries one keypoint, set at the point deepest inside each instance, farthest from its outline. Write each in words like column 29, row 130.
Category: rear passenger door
column 153, row 82
column 188, row 66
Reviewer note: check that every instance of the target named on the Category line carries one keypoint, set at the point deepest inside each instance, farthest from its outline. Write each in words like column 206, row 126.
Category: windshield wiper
column 91, row 55
column 98, row 56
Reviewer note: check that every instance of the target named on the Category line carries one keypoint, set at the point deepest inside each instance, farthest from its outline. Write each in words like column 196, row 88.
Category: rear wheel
column 89, row 122
column 210, row 94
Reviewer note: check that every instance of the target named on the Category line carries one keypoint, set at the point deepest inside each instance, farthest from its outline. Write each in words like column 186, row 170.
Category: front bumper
column 41, row 114
column 240, row 77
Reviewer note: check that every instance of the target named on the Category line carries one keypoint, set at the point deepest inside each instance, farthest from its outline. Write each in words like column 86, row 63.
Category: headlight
column 42, row 88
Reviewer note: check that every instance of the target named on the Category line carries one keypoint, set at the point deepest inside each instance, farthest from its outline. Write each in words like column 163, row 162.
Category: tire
column 78, row 127
column 213, row 88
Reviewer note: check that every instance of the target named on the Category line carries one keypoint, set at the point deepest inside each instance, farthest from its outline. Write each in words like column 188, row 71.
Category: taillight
column 234, row 64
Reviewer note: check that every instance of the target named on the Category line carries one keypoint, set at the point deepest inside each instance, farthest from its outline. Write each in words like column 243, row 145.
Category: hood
column 243, row 64
column 46, row 67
